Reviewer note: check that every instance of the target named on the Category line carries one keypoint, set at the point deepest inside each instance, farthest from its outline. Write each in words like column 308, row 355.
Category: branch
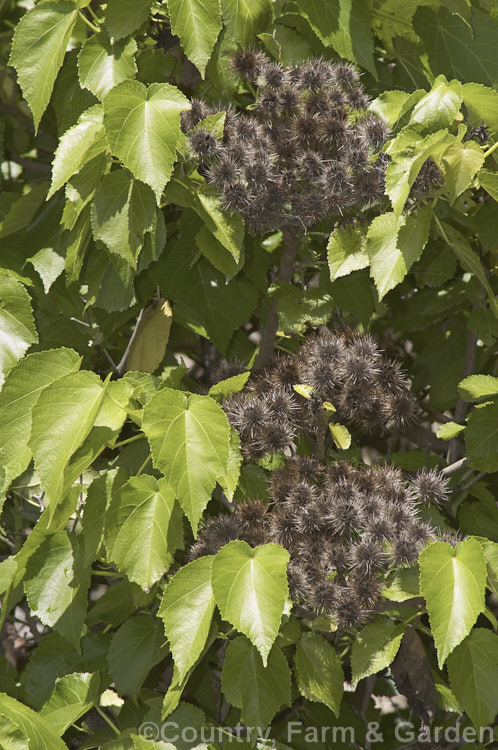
column 448, row 471
column 121, row 366
column 290, row 245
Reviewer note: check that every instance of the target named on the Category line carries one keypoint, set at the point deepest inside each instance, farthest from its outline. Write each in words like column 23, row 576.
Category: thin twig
column 290, row 246
column 121, row 366
column 448, row 471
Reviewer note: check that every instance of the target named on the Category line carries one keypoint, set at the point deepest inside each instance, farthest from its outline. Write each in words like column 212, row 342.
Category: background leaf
column 197, row 23
column 319, row 672
column 17, row 327
column 136, row 647
column 472, row 668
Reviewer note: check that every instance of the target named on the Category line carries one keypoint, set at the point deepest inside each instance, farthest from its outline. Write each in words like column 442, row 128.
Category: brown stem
column 290, row 245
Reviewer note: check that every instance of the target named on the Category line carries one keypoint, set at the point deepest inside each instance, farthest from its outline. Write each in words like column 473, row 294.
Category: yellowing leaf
column 151, row 338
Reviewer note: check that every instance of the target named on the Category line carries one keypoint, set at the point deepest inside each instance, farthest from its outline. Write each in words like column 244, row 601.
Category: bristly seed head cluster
column 344, row 528
column 368, row 390
column 305, row 149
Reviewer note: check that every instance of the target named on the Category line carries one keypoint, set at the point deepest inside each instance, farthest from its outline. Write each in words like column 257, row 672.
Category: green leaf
column 143, row 128
column 481, row 103
column 78, row 146
column 73, row 695
column 489, row 181
column 297, row 308
column 189, row 440
column 137, row 534
column 187, row 609
column 102, row 64
column 34, row 728
column 439, row 107
column 461, row 161
column 394, row 244
column 230, row 385
column 227, row 228
column 340, row 435
column 21, row 390
column 481, row 435
column 344, row 25
column 250, row 589
column 346, row 252
column 491, row 555
column 197, row 23
column 319, row 672
column 452, row 581
column 375, row 647
column 392, row 105
column 450, row 430
column 468, row 259
column 151, row 337
column 472, row 668
column 484, row 324
column 40, row 42
column 136, row 647
column 475, row 387
column 230, row 480
column 245, row 18
column 403, row 585
column 56, row 584
column 22, row 209
column 123, row 209
column 459, row 49
column 12, row 737
column 17, row 327
column 257, row 690
column 409, row 151
column 123, row 17
column 219, row 306
column 62, row 418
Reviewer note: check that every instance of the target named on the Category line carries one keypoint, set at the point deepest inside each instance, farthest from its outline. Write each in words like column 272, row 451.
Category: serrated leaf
column 481, row 435
column 37, row 731
column 403, row 585
column 257, row 690
column 481, row 103
column 297, row 308
column 375, row 647
column 149, row 345
column 21, row 389
column 491, row 556
column 63, row 416
column 472, row 668
column 450, row 430
column 123, row 17
column 489, row 181
column 22, row 209
column 56, row 584
column 78, row 146
column 143, row 129
column 452, row 581
column 137, row 533
column 73, row 695
column 245, row 18
column 250, row 589
column 197, row 23
column 439, row 107
column 187, row 609
column 394, row 244
column 17, row 327
column 319, row 672
column 38, row 49
column 344, row 25
column 123, row 209
column 230, row 385
column 458, row 48
column 103, row 64
column 340, row 435
column 391, row 105
column 468, row 259
column 462, row 161
column 475, row 387
column 189, row 439
column 346, row 252
column 409, row 151
column 136, row 647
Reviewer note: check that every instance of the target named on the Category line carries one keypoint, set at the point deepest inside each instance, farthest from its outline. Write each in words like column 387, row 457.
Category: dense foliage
column 248, row 405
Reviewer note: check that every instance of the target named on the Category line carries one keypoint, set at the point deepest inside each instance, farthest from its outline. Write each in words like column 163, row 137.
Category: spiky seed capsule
column 272, row 75
column 203, row 143
column 430, row 176
column 248, row 63
column 431, row 486
column 367, row 555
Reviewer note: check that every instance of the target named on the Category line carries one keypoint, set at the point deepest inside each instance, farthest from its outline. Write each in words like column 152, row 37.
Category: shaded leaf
column 472, row 668
column 197, row 23
column 123, row 17
column 149, row 345
column 375, row 647
column 413, row 675
column 135, row 648
column 17, row 327
column 319, row 672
